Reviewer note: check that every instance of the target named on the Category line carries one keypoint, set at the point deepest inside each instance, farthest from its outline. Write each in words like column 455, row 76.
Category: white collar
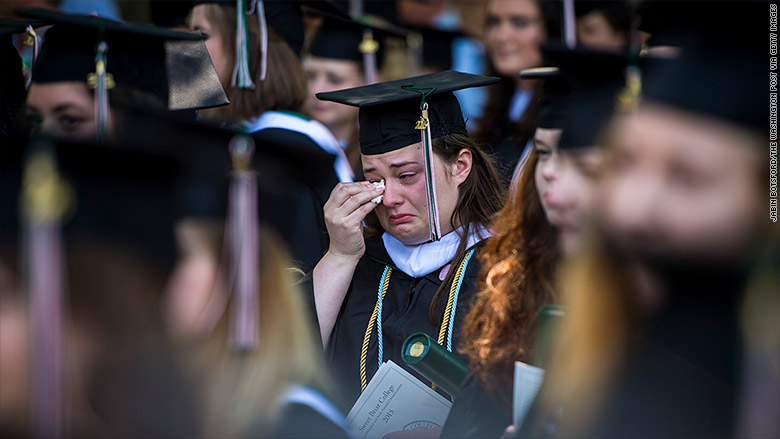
column 316, row 131
column 422, row 259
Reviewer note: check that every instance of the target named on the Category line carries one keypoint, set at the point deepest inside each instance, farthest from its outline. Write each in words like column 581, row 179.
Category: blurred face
column 594, row 31
column 214, row 43
column 547, row 172
column 682, row 185
column 64, row 110
column 574, row 195
column 565, row 182
column 403, row 211
column 514, row 30
column 326, row 74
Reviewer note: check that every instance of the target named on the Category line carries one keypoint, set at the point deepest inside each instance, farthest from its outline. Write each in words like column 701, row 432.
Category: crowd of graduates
column 220, row 218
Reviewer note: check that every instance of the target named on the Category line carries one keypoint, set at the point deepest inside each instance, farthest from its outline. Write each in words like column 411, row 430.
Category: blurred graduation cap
column 400, row 113
column 12, row 81
column 135, row 56
column 356, row 40
column 284, row 17
column 723, row 81
column 582, row 92
column 552, row 100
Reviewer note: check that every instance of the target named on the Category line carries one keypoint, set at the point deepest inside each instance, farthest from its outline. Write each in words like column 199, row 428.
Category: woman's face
column 214, row 43
column 64, row 110
column 594, row 31
column 403, row 211
column 573, row 197
column 326, row 74
column 547, row 172
column 682, row 185
column 565, row 182
column 514, row 30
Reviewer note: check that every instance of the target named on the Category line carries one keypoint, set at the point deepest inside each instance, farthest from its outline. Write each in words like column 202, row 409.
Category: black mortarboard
column 11, row 79
column 285, row 16
column 137, row 56
column 389, row 111
column 594, row 79
column 553, row 97
column 343, row 39
column 723, row 76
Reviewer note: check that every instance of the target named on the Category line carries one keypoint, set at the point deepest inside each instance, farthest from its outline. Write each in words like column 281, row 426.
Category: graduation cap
column 353, row 40
column 552, row 100
column 584, row 92
column 284, row 17
column 86, row 48
column 12, row 81
column 400, row 113
column 722, row 76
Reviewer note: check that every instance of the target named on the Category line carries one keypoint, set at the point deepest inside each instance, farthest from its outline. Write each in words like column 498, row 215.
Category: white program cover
column 528, row 379
column 395, row 400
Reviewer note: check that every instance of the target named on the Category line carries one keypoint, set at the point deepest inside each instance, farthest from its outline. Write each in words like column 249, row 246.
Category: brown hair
column 242, row 389
column 516, row 278
column 284, row 87
column 480, row 196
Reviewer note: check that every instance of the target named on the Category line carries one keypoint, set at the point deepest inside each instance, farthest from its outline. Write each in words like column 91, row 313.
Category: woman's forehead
column 407, row 155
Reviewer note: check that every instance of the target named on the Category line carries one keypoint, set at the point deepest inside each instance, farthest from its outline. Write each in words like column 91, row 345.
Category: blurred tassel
column 243, row 222
column 101, row 82
column 569, row 24
column 414, row 41
column 369, row 47
column 242, row 75
column 259, row 8
column 46, row 198
column 34, row 40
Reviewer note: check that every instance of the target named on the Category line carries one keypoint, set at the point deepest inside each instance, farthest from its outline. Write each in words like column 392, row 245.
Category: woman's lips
column 399, row 219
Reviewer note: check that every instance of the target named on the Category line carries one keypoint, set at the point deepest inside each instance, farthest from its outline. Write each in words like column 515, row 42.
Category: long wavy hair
column 516, row 278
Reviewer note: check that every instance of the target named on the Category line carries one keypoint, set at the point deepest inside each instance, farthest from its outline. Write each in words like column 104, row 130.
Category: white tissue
column 379, row 184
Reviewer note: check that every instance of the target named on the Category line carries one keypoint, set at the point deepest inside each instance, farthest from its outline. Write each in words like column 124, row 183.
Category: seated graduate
column 82, row 349
column 144, row 67
column 682, row 196
column 372, row 292
column 343, row 54
column 267, row 88
column 548, row 219
column 246, row 331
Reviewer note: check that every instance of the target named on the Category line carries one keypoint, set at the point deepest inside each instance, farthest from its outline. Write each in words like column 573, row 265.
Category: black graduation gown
column 295, row 206
column 678, row 375
column 405, row 312
column 476, row 414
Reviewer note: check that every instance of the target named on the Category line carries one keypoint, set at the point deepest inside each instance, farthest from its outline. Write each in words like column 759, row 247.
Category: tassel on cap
column 45, row 200
column 101, row 81
column 369, row 47
column 243, row 222
column 242, row 73
column 34, row 40
column 569, row 24
column 423, row 124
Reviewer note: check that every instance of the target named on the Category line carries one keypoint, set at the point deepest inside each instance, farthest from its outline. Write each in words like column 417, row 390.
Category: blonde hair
column 242, row 389
column 285, row 86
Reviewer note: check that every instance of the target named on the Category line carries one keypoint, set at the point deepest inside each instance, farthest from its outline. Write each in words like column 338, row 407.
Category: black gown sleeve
column 475, row 414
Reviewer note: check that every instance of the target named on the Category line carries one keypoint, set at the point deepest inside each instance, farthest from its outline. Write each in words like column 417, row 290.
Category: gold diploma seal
column 416, row 349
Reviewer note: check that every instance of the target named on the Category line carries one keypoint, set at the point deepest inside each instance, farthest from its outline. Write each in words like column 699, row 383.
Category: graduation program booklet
column 528, row 380
column 395, row 400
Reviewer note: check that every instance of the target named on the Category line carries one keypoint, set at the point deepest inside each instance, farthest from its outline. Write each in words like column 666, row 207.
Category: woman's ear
column 461, row 168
